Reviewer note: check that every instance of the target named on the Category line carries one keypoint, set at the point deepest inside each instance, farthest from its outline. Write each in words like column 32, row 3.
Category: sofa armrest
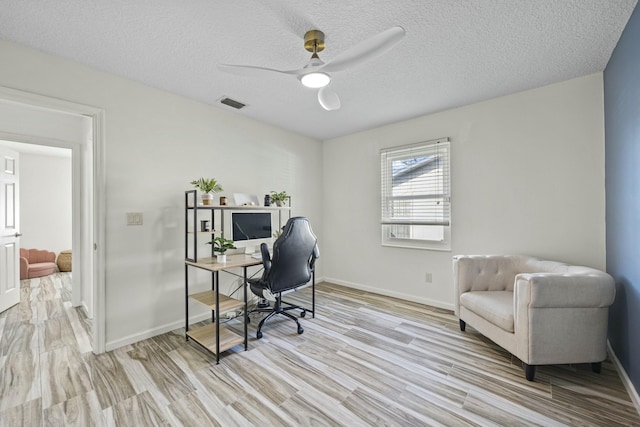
column 554, row 290
column 24, row 267
column 562, row 317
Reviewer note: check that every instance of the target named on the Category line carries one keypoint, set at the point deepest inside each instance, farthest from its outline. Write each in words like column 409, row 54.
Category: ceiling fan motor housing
column 314, row 41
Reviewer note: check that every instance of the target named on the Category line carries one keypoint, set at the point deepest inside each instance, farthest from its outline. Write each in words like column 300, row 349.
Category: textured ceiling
column 455, row 52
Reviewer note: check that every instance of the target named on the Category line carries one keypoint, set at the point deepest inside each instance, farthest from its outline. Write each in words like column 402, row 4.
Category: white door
column 9, row 230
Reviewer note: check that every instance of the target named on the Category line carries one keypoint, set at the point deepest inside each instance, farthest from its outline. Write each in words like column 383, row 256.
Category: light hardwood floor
column 365, row 360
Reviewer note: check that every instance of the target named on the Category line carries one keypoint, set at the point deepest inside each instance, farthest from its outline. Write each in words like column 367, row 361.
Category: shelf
column 208, row 298
column 205, row 232
column 206, row 336
column 247, row 207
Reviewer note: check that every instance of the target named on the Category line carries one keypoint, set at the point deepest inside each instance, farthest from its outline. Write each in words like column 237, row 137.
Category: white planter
column 207, row 199
column 221, row 258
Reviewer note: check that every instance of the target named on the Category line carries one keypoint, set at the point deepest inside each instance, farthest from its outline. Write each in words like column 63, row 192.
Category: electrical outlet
column 428, row 277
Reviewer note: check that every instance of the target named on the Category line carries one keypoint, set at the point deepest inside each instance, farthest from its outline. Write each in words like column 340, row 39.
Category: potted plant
column 279, row 198
column 207, row 186
column 220, row 244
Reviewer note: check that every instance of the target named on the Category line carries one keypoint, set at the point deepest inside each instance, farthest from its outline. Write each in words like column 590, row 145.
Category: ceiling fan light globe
column 315, row 80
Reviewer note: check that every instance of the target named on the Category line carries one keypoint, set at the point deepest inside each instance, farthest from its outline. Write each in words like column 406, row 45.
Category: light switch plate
column 134, row 218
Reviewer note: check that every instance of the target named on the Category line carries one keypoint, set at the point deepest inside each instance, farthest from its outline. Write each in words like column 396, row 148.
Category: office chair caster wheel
column 303, row 313
column 300, row 330
column 258, row 334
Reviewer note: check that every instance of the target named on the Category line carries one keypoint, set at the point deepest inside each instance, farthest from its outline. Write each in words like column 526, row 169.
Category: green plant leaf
column 279, row 196
column 220, row 244
column 207, row 185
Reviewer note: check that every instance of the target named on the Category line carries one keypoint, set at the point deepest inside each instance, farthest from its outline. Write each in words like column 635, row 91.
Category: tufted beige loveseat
column 543, row 312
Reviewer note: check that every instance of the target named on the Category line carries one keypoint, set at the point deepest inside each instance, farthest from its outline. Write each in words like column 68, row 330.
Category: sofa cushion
column 494, row 306
column 41, row 269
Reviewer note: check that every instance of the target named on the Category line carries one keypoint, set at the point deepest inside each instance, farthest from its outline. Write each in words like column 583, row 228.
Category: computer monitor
column 249, row 229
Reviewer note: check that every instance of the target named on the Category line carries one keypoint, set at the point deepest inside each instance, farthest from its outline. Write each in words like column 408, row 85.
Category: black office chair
column 292, row 265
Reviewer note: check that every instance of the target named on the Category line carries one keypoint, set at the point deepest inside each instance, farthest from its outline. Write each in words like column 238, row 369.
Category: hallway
column 41, row 335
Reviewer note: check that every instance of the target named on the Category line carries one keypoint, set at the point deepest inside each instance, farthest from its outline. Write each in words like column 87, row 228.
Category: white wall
column 45, row 202
column 527, row 177
column 156, row 143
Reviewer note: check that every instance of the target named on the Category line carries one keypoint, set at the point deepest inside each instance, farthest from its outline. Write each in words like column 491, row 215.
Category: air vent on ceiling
column 232, row 103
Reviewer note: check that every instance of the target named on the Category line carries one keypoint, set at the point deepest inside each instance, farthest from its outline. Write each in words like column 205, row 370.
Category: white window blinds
column 415, row 193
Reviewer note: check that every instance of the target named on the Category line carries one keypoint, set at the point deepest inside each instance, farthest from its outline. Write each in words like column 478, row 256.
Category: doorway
column 34, row 119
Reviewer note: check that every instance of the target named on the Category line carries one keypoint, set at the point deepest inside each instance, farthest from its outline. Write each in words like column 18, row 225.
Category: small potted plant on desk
column 279, row 198
column 220, row 244
column 207, row 186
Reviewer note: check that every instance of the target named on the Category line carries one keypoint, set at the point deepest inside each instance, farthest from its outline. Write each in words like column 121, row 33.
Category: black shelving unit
column 215, row 337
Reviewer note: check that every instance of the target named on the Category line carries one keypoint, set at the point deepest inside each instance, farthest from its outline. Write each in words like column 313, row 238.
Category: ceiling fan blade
column 328, row 99
column 249, row 70
column 366, row 50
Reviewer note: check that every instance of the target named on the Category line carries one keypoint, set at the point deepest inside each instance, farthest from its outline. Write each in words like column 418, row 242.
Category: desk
column 213, row 337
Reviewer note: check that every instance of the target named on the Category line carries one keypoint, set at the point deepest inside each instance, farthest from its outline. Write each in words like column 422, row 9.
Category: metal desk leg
column 313, row 294
column 186, row 301
column 246, row 313
column 217, row 315
column 214, row 286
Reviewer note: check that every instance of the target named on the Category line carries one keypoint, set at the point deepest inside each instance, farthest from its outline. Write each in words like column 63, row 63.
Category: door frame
column 89, row 219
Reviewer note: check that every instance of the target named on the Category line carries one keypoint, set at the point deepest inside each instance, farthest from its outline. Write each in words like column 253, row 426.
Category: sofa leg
column 596, row 367
column 529, row 371
column 463, row 325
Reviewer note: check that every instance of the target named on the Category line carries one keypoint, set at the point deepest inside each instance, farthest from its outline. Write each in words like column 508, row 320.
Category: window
column 416, row 195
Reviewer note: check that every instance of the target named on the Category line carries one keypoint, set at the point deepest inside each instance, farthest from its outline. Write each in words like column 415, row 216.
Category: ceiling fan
column 316, row 74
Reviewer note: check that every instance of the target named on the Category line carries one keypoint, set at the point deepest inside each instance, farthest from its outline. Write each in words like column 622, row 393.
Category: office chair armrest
column 314, row 257
column 266, row 258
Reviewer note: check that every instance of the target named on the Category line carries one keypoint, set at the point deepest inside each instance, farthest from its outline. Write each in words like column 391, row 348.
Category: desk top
column 236, row 260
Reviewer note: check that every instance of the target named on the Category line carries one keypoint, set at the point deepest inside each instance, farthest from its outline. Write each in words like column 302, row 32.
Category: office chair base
column 278, row 309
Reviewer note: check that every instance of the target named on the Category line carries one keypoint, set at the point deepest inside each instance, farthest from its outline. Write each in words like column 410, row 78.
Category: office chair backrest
column 294, row 255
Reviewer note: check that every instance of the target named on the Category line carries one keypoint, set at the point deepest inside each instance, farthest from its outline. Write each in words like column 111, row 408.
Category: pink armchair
column 36, row 263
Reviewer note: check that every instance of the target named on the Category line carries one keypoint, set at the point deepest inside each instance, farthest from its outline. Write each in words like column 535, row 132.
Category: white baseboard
column 631, row 389
column 406, row 297
column 149, row 333
column 139, row 336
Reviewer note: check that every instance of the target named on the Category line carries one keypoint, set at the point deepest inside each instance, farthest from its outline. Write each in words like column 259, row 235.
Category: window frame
column 387, row 157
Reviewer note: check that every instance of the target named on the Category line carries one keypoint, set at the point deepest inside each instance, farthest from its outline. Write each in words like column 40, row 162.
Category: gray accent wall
column 622, row 176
